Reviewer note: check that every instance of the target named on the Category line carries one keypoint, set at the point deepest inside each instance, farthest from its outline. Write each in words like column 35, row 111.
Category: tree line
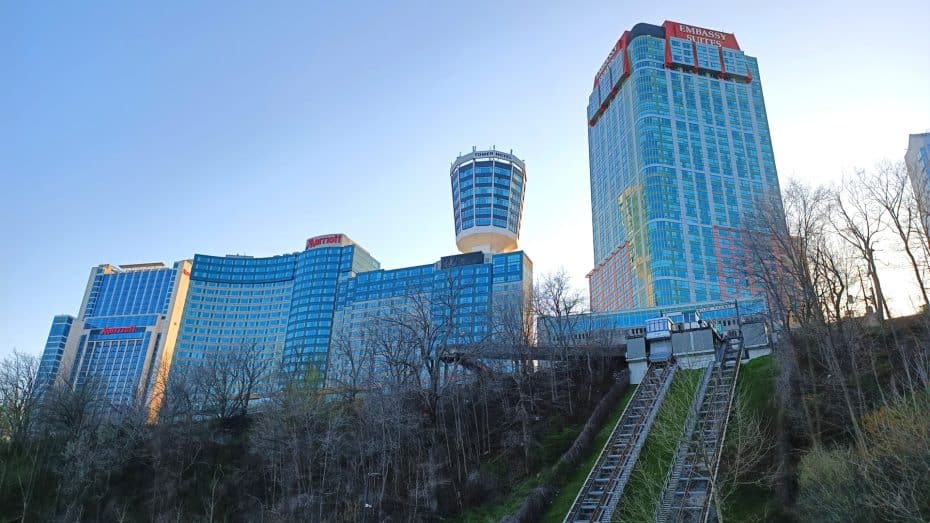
column 407, row 427
column 851, row 432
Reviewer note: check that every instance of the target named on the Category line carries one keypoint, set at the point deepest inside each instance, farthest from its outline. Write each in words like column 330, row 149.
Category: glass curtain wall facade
column 917, row 160
column 274, row 314
column 286, row 315
column 681, row 162
column 54, row 351
column 311, row 314
column 487, row 200
column 464, row 300
column 122, row 340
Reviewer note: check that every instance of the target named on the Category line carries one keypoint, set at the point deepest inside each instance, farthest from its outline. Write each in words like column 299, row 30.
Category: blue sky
column 150, row 133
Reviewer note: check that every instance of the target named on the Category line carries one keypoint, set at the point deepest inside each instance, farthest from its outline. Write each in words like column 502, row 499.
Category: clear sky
column 150, row 133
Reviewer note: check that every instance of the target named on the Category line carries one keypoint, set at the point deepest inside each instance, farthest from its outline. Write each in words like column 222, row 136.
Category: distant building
column 310, row 314
column 54, row 351
column 681, row 165
column 124, row 335
column 306, row 315
column 917, row 159
column 467, row 300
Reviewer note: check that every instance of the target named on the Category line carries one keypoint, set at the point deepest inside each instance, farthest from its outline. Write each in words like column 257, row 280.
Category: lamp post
column 367, row 504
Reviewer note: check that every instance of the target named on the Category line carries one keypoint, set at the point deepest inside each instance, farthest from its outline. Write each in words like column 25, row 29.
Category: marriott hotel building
column 139, row 322
column 124, row 335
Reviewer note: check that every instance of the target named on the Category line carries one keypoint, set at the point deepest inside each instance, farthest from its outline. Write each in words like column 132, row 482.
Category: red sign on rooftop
column 117, row 330
column 700, row 35
column 329, row 239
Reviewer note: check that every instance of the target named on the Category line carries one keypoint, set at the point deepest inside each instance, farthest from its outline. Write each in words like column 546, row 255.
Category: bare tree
column 20, row 460
column 860, row 222
column 558, row 306
column 19, row 397
column 792, row 231
column 421, row 334
column 353, row 366
column 513, row 321
column 746, row 451
column 888, row 188
column 225, row 386
column 69, row 411
column 556, row 302
column 425, row 323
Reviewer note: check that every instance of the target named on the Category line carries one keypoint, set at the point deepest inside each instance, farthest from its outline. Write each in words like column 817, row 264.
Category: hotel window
column 681, row 51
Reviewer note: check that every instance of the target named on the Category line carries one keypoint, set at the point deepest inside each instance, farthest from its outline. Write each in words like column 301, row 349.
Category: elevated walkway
column 598, row 497
column 688, row 495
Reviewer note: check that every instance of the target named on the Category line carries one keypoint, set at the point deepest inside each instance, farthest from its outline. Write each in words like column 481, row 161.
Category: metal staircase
column 688, row 495
column 598, row 497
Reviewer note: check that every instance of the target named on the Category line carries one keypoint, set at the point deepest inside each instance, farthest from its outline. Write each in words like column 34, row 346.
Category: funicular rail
column 688, row 495
column 598, row 497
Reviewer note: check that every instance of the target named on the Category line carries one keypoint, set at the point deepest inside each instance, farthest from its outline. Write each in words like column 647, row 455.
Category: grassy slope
column 565, row 497
column 642, row 492
column 756, row 387
column 494, row 512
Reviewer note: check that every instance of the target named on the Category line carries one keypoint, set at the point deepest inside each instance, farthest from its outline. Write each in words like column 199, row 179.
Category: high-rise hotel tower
column 123, row 339
column 487, row 199
column 681, row 162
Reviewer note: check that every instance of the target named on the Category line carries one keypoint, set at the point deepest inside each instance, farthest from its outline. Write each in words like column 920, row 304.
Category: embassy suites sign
column 700, row 35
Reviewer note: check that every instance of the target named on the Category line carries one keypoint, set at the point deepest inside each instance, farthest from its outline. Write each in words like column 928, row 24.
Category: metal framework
column 688, row 495
column 598, row 497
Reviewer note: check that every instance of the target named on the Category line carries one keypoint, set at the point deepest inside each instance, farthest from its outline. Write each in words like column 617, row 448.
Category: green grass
column 493, row 512
column 552, row 448
column 756, row 389
column 565, row 497
column 757, row 385
column 641, row 494
column 749, row 503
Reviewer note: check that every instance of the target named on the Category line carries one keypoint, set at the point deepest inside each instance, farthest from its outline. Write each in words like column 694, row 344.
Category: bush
column 886, row 478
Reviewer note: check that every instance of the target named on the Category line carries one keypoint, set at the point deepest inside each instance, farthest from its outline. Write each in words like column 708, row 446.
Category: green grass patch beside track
column 566, row 496
column 493, row 512
column 756, row 389
column 641, row 495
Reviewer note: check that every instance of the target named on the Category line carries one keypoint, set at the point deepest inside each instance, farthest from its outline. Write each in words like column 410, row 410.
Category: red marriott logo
column 117, row 330
column 324, row 240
